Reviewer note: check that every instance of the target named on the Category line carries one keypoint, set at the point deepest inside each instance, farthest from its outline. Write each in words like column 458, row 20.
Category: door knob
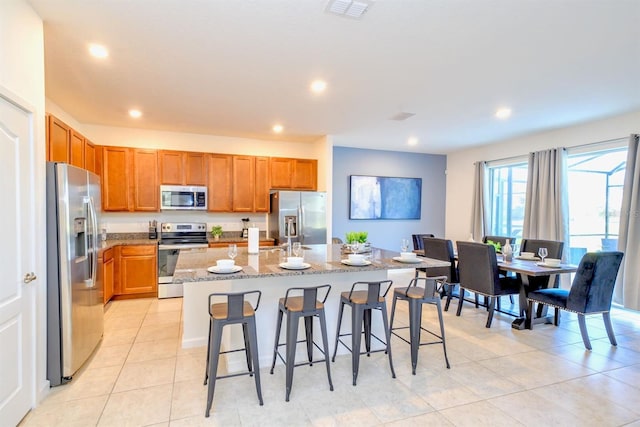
column 29, row 277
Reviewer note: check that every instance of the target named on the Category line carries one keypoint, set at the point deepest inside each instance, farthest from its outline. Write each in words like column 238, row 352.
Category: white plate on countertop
column 288, row 266
column 355, row 264
column 544, row 264
column 526, row 258
column 227, row 270
column 407, row 260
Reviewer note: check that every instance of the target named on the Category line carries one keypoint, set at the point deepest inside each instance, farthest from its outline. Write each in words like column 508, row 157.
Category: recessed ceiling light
column 412, row 141
column 98, row 51
column 278, row 128
column 136, row 114
column 503, row 113
column 318, row 86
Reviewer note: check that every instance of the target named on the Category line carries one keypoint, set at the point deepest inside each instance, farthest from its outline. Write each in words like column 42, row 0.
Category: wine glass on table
column 404, row 246
column 296, row 247
column 543, row 253
column 233, row 250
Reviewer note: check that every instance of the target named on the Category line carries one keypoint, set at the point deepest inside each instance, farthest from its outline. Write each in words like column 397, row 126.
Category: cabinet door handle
column 29, row 277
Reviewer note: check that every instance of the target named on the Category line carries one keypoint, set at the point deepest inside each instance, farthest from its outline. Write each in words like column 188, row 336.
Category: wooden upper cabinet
column 220, row 185
column 305, row 174
column 129, row 179
column 76, row 150
column 244, row 183
column 281, row 172
column 58, row 140
column 294, row 174
column 90, row 163
column 115, row 178
column 261, row 200
column 195, row 169
column 171, row 167
column 182, row 168
column 145, row 180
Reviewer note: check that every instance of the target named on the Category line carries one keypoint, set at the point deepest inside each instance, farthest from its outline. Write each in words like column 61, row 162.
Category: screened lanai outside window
column 508, row 190
column 595, row 181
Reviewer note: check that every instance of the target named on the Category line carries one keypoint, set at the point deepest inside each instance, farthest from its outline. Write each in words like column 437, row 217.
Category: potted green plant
column 356, row 237
column 496, row 245
column 216, row 231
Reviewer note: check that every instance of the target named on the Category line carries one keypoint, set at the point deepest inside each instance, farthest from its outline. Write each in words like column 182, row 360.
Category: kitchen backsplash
column 118, row 222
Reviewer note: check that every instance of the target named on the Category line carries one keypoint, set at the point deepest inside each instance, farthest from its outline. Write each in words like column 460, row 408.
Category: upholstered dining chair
column 590, row 293
column 478, row 269
column 554, row 250
column 442, row 249
column 417, row 241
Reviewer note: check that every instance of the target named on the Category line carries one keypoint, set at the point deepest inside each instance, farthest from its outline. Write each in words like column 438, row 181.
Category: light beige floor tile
column 479, row 414
column 114, row 355
column 163, row 331
column 76, row 413
column 167, row 304
column 440, row 390
column 578, row 397
column 136, row 375
column 162, row 317
column 227, row 418
column 90, row 382
column 435, row 419
column 119, row 337
column 138, row 407
column 124, row 321
column 151, row 350
column 483, row 381
column 190, row 366
column 530, row 409
column 629, row 375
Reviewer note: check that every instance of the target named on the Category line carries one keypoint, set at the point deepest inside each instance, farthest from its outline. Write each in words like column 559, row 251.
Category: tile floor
column 140, row 376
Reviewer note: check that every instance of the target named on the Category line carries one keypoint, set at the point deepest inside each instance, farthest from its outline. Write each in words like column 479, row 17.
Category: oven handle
column 184, row 246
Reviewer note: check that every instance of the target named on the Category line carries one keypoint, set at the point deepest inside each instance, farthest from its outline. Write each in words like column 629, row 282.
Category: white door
column 17, row 261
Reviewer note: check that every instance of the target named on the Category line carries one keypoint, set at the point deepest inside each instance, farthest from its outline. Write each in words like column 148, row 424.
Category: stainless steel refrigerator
column 300, row 215
column 75, row 314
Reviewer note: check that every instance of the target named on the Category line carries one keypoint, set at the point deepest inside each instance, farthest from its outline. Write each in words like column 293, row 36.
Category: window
column 595, row 181
column 508, row 191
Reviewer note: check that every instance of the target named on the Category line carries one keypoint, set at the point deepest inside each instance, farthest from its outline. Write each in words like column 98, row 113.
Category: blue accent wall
column 388, row 233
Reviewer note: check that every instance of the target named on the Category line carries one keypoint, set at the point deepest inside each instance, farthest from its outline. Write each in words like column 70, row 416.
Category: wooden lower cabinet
column 136, row 270
column 107, row 270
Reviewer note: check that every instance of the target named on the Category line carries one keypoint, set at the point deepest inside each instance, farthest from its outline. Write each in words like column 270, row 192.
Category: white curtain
column 627, row 291
column 546, row 212
column 480, row 208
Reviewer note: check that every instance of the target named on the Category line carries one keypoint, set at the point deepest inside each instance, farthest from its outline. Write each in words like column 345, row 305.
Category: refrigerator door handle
column 91, row 242
column 301, row 224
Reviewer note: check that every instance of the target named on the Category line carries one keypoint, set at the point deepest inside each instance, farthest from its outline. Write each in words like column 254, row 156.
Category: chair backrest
column 417, row 240
column 336, row 240
column 375, row 290
column 235, row 303
column 592, row 287
column 478, row 267
column 441, row 249
column 309, row 295
column 498, row 239
column 554, row 248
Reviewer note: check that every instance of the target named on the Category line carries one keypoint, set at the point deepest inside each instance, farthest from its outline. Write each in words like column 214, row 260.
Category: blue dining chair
column 591, row 293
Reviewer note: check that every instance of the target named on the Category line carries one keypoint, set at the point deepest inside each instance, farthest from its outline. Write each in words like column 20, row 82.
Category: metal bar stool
column 416, row 296
column 361, row 303
column 306, row 306
column 235, row 310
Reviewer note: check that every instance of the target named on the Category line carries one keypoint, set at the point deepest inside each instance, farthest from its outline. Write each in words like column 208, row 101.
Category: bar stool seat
column 305, row 306
column 361, row 303
column 416, row 296
column 234, row 311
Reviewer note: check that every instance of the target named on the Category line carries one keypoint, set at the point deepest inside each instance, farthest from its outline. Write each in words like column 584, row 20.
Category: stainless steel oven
column 174, row 238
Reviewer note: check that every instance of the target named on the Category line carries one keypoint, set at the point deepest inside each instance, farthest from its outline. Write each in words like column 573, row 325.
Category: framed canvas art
column 381, row 197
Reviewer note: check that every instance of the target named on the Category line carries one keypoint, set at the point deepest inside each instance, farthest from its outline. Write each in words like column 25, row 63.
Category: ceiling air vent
column 401, row 116
column 349, row 8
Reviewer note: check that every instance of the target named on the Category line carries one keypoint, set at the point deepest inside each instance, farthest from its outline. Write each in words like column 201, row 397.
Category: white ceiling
column 236, row 67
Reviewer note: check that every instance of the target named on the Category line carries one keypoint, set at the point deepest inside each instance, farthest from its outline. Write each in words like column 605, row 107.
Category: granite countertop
column 116, row 239
column 323, row 259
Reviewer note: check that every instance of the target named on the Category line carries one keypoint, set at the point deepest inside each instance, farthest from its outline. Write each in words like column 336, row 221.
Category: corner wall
column 460, row 168
column 388, row 233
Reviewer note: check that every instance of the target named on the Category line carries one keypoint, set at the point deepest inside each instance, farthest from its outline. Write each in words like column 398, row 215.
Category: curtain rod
column 574, row 146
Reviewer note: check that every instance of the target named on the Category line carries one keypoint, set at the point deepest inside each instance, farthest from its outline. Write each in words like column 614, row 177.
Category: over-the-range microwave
column 183, row 197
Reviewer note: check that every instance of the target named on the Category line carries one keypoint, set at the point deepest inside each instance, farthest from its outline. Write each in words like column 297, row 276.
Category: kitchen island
column 263, row 272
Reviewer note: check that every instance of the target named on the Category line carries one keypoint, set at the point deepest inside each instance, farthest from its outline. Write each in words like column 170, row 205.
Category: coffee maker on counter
column 245, row 228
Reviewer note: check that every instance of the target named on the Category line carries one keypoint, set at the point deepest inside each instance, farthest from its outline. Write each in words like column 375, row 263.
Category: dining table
column 531, row 267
